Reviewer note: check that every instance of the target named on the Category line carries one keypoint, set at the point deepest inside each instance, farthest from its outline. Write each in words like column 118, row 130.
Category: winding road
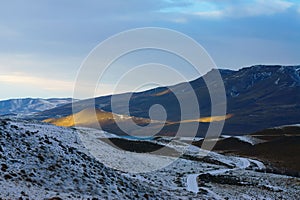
column 192, row 183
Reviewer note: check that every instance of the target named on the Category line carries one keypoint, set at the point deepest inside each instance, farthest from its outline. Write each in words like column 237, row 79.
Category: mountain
column 258, row 97
column 30, row 105
column 262, row 97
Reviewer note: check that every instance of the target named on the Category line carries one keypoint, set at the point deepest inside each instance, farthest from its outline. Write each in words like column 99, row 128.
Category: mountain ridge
column 25, row 106
column 259, row 97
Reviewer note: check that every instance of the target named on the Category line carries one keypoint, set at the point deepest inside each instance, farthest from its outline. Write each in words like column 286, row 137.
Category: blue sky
column 44, row 42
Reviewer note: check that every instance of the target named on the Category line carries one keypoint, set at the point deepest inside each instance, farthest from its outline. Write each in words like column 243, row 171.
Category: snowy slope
column 45, row 161
column 39, row 161
column 30, row 105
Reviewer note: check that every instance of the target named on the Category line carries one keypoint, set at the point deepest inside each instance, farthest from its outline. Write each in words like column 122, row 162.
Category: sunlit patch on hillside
column 87, row 118
column 162, row 93
column 215, row 118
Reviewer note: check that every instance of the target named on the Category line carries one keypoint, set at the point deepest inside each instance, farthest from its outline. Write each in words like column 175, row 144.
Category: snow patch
column 119, row 159
column 284, row 126
column 192, row 184
column 259, row 164
column 249, row 139
column 277, row 81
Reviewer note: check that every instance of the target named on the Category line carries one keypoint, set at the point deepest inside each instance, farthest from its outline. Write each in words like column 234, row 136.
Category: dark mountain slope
column 259, row 97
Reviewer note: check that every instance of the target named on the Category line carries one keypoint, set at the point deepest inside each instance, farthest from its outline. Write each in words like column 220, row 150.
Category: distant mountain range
column 30, row 105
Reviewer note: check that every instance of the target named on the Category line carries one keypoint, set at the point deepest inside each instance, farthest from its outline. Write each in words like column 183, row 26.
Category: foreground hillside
column 40, row 161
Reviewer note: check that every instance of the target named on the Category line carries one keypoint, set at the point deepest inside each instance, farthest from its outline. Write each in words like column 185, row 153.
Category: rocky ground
column 42, row 161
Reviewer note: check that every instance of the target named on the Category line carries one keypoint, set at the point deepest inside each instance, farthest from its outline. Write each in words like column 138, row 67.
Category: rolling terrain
column 42, row 161
column 279, row 147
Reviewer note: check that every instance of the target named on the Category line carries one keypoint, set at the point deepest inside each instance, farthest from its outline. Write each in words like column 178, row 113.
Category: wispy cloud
column 37, row 82
column 210, row 14
column 228, row 8
column 25, row 74
column 257, row 8
column 39, row 65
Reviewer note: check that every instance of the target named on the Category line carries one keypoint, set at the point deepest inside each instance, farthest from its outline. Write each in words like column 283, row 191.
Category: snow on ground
column 190, row 139
column 289, row 125
column 211, row 194
column 249, row 139
column 119, row 159
column 192, row 183
column 239, row 163
column 98, row 133
column 40, row 161
column 298, row 125
column 260, row 165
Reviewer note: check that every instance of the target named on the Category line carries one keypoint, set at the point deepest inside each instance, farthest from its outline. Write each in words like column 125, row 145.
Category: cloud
column 37, row 82
column 229, row 8
column 210, row 14
column 257, row 8
column 39, row 65
column 57, row 86
column 298, row 9
column 36, row 75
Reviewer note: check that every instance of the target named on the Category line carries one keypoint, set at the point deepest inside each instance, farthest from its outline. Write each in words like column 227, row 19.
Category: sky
column 43, row 43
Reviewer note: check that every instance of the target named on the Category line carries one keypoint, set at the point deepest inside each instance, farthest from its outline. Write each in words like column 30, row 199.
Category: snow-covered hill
column 30, row 105
column 42, row 161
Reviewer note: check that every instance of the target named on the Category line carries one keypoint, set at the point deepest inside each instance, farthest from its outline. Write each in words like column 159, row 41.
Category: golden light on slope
column 162, row 93
column 65, row 121
column 204, row 119
column 91, row 118
column 214, row 118
column 87, row 118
